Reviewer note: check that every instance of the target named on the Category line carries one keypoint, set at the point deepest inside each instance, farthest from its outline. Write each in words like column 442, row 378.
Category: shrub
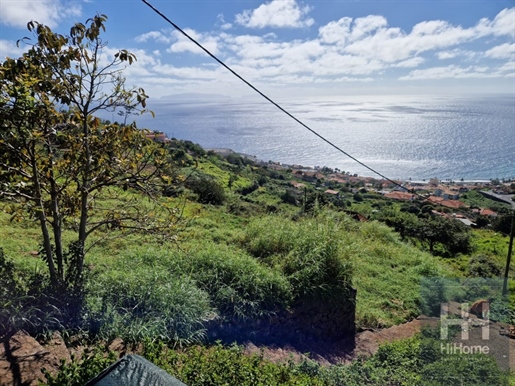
column 239, row 286
column 194, row 366
column 464, row 369
column 288, row 197
column 234, row 159
column 308, row 253
column 483, row 266
column 248, row 189
column 29, row 302
column 502, row 224
column 271, row 235
column 208, row 190
column 315, row 268
column 147, row 303
column 80, row 371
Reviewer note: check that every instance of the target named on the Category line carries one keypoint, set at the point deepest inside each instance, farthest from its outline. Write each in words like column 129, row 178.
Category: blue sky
column 297, row 48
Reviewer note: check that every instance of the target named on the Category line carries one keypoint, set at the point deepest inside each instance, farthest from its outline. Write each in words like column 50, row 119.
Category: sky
column 295, row 48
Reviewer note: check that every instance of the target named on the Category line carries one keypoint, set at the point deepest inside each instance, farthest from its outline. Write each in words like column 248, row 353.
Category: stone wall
column 313, row 320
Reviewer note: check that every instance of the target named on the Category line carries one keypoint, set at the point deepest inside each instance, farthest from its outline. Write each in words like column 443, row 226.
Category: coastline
column 411, row 181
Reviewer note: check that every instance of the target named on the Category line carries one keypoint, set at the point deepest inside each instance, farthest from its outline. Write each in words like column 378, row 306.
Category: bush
column 239, row 286
column 248, row 189
column 12, row 296
column 464, row 369
column 80, row 371
column 308, row 253
column 269, row 236
column 234, row 159
column 502, row 224
column 314, row 266
column 288, row 197
column 29, row 302
column 152, row 304
column 483, row 266
column 195, row 366
column 208, row 190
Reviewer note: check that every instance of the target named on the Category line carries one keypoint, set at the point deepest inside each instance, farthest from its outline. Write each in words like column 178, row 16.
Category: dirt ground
column 366, row 343
column 22, row 357
column 343, row 351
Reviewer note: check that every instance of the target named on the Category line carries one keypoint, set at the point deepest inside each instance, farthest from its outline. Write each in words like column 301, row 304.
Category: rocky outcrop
column 22, row 357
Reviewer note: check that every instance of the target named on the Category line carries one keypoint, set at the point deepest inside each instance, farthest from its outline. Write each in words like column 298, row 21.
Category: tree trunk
column 47, row 245
column 57, row 222
column 84, row 196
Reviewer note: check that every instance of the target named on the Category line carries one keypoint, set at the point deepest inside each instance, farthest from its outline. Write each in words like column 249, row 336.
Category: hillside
column 249, row 242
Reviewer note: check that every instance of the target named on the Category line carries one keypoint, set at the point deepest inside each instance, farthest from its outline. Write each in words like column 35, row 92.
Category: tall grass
column 237, row 284
column 310, row 253
column 322, row 255
column 147, row 304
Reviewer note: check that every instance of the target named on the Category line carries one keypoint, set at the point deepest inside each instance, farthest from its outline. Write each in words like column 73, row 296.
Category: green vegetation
column 416, row 361
column 152, row 241
column 62, row 166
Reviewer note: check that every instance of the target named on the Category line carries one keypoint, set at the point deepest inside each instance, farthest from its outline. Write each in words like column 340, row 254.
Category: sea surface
column 419, row 137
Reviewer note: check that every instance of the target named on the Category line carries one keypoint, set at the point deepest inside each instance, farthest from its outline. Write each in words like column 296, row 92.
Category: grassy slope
column 386, row 271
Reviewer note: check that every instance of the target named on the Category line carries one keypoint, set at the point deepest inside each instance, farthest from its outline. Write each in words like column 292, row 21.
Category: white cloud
column 222, row 23
column 335, row 31
column 503, row 51
column 9, row 49
column 365, row 25
column 346, row 50
column 183, row 44
column 452, row 71
column 443, row 55
column 504, row 23
column 278, row 14
column 185, row 72
column 142, row 66
column 508, row 68
column 412, row 62
column 344, row 79
column 432, row 27
column 153, row 35
column 369, row 37
column 49, row 12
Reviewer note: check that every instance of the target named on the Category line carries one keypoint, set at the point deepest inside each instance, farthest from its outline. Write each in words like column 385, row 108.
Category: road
column 499, row 197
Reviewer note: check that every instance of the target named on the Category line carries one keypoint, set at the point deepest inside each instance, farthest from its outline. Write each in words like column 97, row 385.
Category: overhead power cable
column 269, row 99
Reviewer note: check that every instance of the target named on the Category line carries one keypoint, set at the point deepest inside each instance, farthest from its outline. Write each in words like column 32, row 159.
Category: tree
column 58, row 162
column 208, row 190
column 451, row 234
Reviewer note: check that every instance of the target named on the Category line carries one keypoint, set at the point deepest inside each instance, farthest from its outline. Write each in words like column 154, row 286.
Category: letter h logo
column 464, row 322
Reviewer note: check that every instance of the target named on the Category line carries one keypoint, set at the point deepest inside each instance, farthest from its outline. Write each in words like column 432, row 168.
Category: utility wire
column 270, row 100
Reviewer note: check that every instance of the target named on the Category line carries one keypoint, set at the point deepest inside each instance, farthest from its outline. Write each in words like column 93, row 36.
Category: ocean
column 418, row 137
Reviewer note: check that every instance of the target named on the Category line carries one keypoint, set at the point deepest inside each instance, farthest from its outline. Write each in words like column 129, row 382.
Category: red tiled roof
column 435, row 199
column 487, row 212
column 454, row 204
column 400, row 196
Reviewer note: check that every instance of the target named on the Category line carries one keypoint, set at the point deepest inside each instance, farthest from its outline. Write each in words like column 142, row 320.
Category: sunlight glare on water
column 470, row 137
